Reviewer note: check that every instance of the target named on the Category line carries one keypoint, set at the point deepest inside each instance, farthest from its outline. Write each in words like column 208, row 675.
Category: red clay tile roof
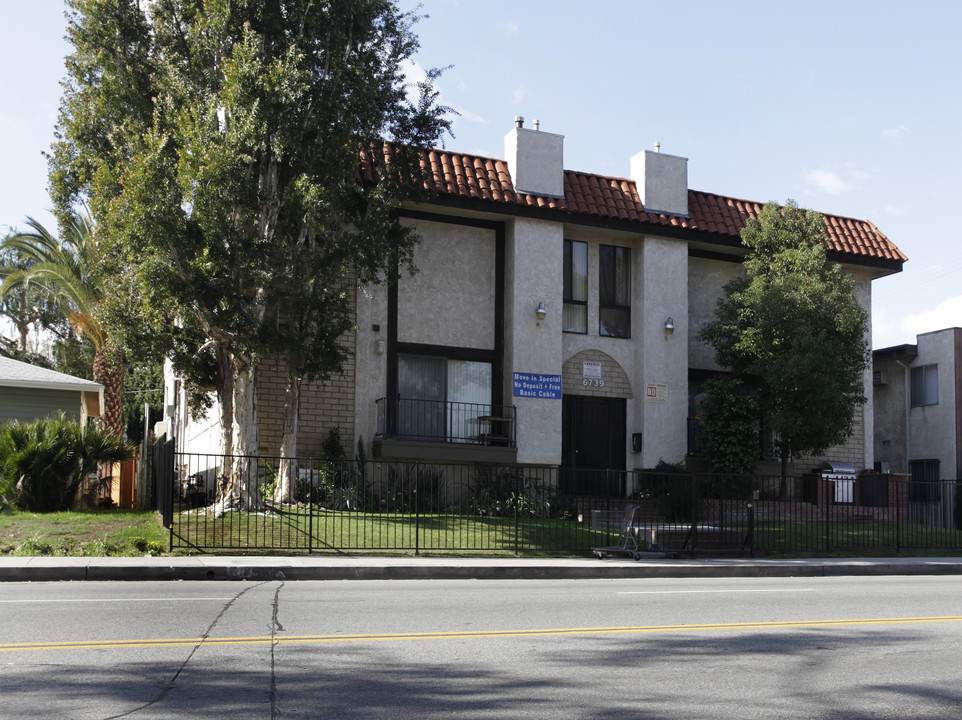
column 460, row 176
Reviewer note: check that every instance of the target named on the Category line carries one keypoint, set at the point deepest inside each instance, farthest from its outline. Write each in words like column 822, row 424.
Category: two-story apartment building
column 553, row 318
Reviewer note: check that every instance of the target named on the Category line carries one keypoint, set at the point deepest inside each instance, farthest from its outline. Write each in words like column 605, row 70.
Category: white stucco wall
column 450, row 300
column 534, row 266
column 662, row 358
column 371, row 359
column 194, row 435
column 933, row 427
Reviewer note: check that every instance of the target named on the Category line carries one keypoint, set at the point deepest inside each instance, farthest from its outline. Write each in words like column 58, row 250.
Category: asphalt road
column 879, row 647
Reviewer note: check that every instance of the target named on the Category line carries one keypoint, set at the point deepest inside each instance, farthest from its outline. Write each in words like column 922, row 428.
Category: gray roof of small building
column 14, row 373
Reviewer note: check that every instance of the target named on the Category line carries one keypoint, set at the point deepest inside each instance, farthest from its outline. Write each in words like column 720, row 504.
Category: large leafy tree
column 219, row 144
column 793, row 323
column 66, row 272
column 22, row 307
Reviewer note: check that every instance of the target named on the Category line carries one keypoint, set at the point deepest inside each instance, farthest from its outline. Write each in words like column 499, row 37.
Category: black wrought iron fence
column 379, row 506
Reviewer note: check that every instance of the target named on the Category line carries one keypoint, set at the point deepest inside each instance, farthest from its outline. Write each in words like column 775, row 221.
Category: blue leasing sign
column 536, row 385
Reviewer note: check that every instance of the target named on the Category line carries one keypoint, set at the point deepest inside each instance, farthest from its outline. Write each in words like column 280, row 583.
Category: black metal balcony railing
column 449, row 422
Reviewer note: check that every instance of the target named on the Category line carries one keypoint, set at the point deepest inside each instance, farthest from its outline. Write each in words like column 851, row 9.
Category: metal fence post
column 828, row 518
column 517, row 502
column 310, row 510
column 694, row 513
column 898, row 516
column 417, row 513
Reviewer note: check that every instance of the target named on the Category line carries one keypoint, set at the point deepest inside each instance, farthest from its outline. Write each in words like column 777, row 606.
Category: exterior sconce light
column 669, row 326
column 379, row 347
column 541, row 312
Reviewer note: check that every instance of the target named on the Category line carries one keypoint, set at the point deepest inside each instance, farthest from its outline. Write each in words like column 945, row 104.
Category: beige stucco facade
column 910, row 428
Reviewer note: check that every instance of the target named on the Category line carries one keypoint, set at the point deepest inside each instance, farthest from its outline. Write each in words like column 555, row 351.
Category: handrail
column 446, row 421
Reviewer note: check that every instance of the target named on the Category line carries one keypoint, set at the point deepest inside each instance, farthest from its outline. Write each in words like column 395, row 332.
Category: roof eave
column 890, row 266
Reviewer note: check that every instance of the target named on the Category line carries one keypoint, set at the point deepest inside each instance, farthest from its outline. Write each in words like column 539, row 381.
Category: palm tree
column 66, row 270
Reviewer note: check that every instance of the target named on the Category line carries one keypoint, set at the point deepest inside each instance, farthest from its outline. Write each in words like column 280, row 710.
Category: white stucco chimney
column 535, row 160
column 662, row 181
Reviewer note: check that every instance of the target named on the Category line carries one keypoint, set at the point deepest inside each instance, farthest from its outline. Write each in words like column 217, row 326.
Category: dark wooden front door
column 593, row 443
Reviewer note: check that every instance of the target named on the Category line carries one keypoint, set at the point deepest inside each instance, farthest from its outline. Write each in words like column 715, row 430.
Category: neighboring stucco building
column 553, row 320
column 918, row 406
column 29, row 392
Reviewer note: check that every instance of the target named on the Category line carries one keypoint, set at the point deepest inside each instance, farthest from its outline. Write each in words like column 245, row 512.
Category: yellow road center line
column 481, row 634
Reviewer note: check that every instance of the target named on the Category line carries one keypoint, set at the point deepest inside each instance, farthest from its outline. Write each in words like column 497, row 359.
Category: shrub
column 412, row 488
column 43, row 464
column 671, row 485
column 508, row 492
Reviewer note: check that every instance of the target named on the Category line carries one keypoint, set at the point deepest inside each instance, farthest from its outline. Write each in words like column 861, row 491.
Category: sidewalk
column 37, row 569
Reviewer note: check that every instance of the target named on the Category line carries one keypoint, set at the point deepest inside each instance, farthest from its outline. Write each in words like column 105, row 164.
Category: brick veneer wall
column 823, row 508
column 323, row 406
column 852, row 451
column 616, row 383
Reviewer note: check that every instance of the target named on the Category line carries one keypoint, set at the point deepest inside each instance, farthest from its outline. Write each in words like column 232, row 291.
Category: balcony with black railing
column 437, row 429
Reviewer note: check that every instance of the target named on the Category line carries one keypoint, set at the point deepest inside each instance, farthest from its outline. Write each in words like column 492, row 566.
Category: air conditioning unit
column 878, row 377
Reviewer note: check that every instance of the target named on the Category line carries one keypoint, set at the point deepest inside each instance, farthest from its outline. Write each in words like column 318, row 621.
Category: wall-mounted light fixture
column 541, row 312
column 379, row 347
column 669, row 326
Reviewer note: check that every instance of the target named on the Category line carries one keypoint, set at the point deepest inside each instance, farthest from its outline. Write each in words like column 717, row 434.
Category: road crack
column 275, row 628
column 170, row 684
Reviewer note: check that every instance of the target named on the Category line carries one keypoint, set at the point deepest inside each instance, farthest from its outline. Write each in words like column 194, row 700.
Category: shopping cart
column 629, row 544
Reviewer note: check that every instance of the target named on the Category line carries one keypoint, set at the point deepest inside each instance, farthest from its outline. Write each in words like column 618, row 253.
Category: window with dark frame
column 614, row 291
column 574, row 318
column 925, row 385
column 442, row 397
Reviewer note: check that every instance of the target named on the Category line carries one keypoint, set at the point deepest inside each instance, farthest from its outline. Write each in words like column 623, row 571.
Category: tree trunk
column 111, row 376
column 225, row 394
column 242, row 491
column 286, row 474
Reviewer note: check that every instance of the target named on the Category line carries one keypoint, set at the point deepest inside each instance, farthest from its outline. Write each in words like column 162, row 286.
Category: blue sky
column 848, row 107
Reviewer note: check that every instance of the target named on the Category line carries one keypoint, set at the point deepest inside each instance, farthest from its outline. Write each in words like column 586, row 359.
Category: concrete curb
column 371, row 568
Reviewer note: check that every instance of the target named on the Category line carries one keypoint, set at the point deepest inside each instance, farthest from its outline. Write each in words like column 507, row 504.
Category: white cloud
column 857, row 173
column 469, row 116
column 828, row 181
column 946, row 314
column 893, row 210
column 413, row 74
column 513, row 27
column 897, row 132
column 518, row 96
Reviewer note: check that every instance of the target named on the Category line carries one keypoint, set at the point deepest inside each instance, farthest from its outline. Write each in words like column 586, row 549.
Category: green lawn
column 89, row 533
column 855, row 538
column 132, row 533
column 338, row 531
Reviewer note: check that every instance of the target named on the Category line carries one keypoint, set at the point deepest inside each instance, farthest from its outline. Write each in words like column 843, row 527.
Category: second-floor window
column 925, row 385
column 575, row 312
column 614, row 291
